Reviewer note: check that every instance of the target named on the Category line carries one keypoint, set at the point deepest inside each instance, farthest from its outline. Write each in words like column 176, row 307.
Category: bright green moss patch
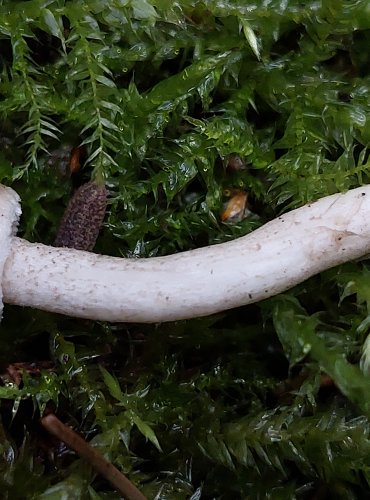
column 267, row 401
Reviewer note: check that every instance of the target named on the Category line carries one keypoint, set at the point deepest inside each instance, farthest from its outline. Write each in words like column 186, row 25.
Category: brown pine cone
column 83, row 218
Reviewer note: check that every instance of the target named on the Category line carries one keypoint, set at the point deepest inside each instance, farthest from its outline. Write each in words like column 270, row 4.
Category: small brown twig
column 64, row 433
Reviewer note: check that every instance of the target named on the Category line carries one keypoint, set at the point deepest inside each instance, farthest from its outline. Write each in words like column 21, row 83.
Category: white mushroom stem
column 272, row 259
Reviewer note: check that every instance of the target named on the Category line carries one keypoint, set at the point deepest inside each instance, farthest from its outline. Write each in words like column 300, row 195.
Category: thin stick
column 53, row 425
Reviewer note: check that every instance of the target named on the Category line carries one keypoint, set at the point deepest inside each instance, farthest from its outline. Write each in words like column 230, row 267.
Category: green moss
column 161, row 94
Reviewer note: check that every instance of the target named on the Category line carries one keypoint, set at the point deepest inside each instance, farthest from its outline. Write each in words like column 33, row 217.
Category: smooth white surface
column 10, row 210
column 272, row 259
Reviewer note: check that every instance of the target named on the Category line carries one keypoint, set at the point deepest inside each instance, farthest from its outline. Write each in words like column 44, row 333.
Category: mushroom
column 270, row 260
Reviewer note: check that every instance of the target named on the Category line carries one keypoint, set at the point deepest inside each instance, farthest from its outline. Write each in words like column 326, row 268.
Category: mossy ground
column 161, row 94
